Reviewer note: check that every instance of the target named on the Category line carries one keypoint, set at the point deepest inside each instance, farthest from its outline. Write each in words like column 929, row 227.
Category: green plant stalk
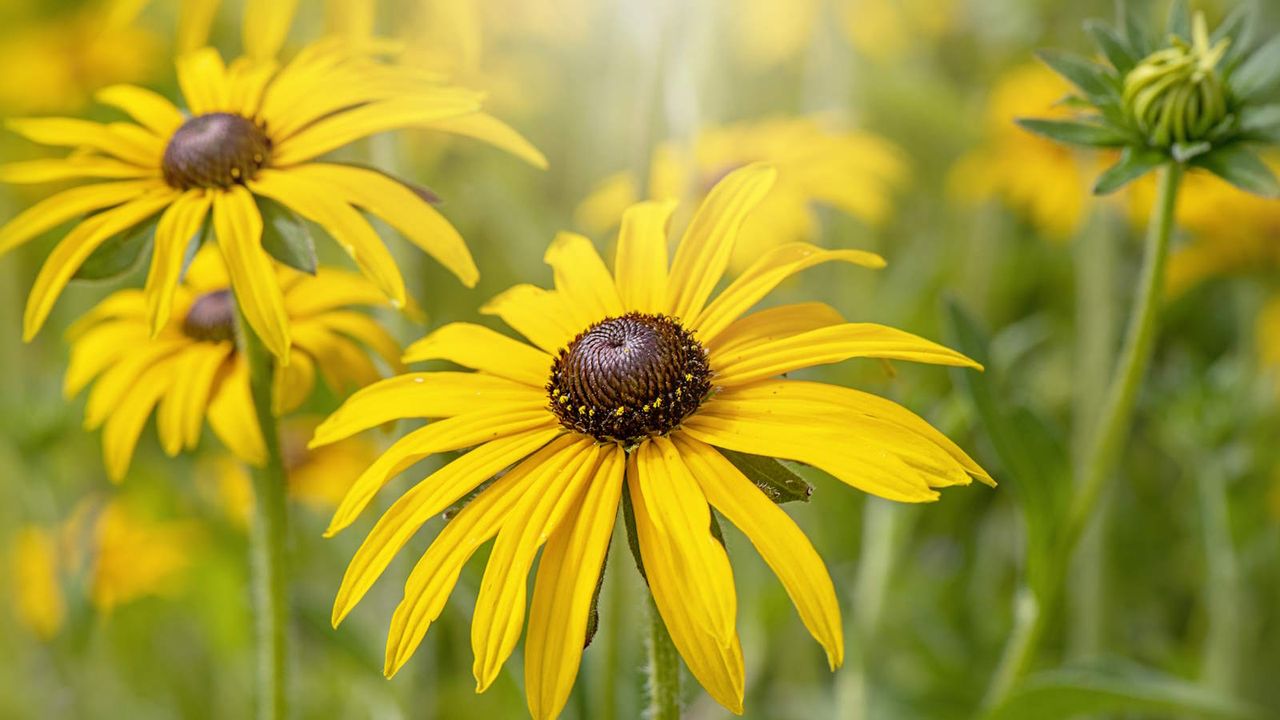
column 880, row 520
column 270, row 526
column 664, row 670
column 1222, row 643
column 1031, row 613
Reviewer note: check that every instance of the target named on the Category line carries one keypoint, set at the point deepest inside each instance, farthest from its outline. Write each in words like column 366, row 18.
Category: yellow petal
column 121, row 430
column 266, row 24
column 97, row 348
column 717, row 666
column 568, row 571
column 368, row 331
column 182, row 409
column 641, row 261
column 195, row 18
column 238, row 227
column 764, row 275
column 424, row 501
column 149, row 108
column 247, row 80
column 707, row 244
column 77, row 246
column 177, row 227
column 582, row 279
column 233, row 419
column 72, row 168
column 479, row 348
column 773, row 324
column 343, row 364
column 294, row 382
column 487, row 128
column 403, row 209
column 833, row 344
column 331, row 289
column 57, row 209
column 540, row 315
column 782, row 545
column 455, row 433
column 122, row 377
column 122, row 140
column 433, row 394
column 203, row 79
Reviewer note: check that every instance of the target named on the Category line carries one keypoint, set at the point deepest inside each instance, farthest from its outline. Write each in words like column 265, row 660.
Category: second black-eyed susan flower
column 633, row 381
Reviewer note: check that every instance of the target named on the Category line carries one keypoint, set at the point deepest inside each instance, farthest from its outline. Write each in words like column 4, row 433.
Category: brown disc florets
column 212, row 317
column 216, row 150
column 630, row 377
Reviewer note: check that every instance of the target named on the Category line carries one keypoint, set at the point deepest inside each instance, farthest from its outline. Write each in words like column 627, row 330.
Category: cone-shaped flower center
column 212, row 317
column 629, row 377
column 215, row 150
column 1175, row 95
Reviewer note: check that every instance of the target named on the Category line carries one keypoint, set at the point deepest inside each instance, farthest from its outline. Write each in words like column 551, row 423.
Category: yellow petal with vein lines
column 774, row 324
column 68, row 204
column 178, row 225
column 641, row 261
column 679, row 514
column 72, row 168
column 487, row 128
column 776, row 537
column 232, row 417
column 238, row 227
column 708, row 243
column 568, row 571
column 203, row 79
column 149, row 108
column 266, row 25
column 716, row 666
column 140, row 148
column 403, row 209
column 182, row 408
column 77, row 246
column 479, row 348
column 542, row 316
column 424, row 501
column 455, row 433
column 124, row 426
column 764, row 275
column 582, row 279
column 427, row 394
column 827, row 345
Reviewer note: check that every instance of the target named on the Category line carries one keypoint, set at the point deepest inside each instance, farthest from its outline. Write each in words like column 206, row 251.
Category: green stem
column 1222, row 645
column 1031, row 612
column 664, row 670
column 270, row 524
column 870, row 590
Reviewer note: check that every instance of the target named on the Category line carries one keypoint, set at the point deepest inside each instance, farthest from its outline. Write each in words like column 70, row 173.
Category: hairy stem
column 664, row 670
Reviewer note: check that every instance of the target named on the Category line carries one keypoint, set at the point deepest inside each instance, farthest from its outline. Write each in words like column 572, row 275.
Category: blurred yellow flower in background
column 1045, row 181
column 854, row 172
column 191, row 369
column 887, row 30
column 34, row 568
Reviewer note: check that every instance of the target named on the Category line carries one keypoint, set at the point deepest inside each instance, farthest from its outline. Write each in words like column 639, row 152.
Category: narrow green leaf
column 1133, row 164
column 1117, row 688
column 1242, row 168
column 1238, row 26
column 593, row 618
column 1179, row 20
column 774, row 479
column 1075, row 132
column 1261, row 123
column 285, row 236
column 1116, row 50
column 1258, row 74
column 120, row 253
column 1096, row 81
column 633, row 537
column 1135, row 29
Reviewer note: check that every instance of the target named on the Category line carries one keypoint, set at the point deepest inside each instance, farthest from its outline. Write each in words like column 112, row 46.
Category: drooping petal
column 343, row 364
column 540, row 315
column 333, row 289
column 582, row 279
column 178, row 225
column 122, row 377
column 151, row 109
column 479, row 348
column 232, row 417
column 123, row 427
column 568, row 571
column 641, row 261
column 238, row 226
column 126, row 141
column 68, row 204
column 708, row 243
column 182, row 409
column 294, row 382
column 366, row 330
column 782, row 545
column 764, row 275
column 97, row 349
column 773, row 324
column 74, row 167
column 487, row 128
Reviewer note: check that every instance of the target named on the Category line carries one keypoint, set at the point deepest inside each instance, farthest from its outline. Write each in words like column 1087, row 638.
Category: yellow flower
column 637, row 375
column 854, row 172
column 35, row 581
column 190, row 370
column 134, row 556
column 1045, row 180
column 252, row 137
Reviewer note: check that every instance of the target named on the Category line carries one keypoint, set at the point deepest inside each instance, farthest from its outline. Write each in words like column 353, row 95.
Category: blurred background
column 891, row 124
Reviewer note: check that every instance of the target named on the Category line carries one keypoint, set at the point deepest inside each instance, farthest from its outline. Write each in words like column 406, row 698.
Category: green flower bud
column 1176, row 95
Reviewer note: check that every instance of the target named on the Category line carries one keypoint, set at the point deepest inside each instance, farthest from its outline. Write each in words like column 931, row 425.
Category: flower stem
column 664, row 670
column 268, row 540
column 1032, row 611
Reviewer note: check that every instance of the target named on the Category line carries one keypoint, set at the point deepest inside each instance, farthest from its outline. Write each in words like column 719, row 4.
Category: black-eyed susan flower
column 191, row 370
column 248, row 145
column 855, row 172
column 632, row 383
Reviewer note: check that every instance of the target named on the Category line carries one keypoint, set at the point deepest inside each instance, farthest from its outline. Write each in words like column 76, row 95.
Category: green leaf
column 1179, row 20
column 774, row 479
column 1242, row 168
column 1116, row 688
column 1096, row 81
column 1238, row 26
column 1261, row 123
column 285, row 236
column 1135, row 29
column 1116, row 50
column 1075, row 132
column 633, row 536
column 1258, row 74
column 120, row 253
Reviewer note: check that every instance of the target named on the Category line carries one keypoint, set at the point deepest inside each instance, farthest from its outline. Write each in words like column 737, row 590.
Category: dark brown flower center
column 216, row 150
column 629, row 377
column 212, row 317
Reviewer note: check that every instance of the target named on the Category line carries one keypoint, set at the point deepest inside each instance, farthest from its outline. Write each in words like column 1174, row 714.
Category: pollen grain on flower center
column 212, row 317
column 629, row 377
column 215, row 150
